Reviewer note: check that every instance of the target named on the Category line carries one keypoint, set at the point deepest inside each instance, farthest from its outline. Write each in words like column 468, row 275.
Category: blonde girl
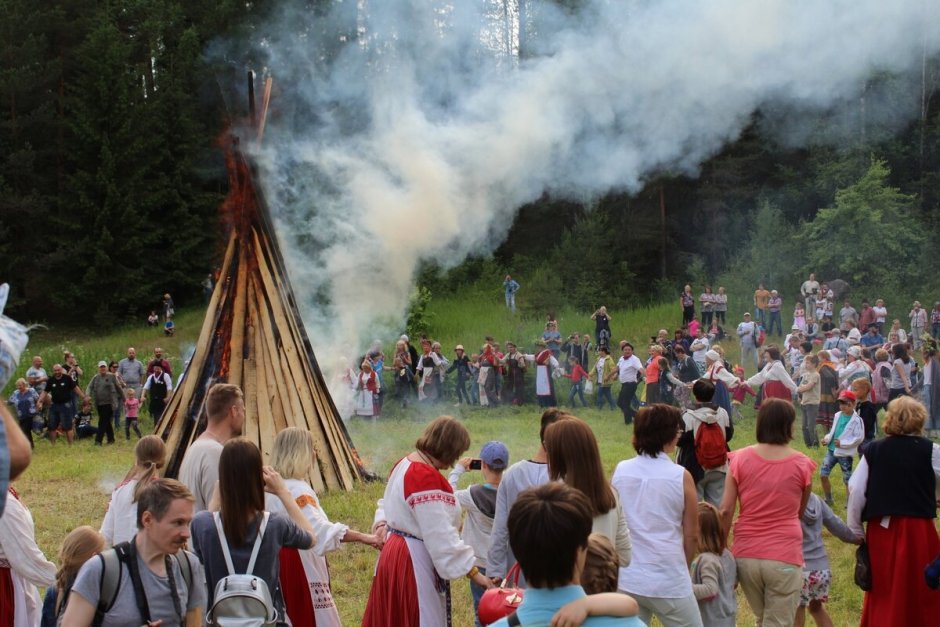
column 120, row 522
column 79, row 546
column 304, row 575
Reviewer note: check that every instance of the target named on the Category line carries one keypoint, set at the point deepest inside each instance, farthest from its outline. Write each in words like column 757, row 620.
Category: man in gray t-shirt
column 164, row 512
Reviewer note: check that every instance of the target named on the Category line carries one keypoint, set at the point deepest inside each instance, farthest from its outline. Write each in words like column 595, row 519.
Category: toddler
column 816, row 573
column 131, row 408
column 714, row 571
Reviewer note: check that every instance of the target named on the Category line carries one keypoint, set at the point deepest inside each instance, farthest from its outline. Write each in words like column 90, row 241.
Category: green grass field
column 69, row 486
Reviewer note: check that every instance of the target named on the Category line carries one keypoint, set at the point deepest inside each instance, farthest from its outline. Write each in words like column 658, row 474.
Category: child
column 809, row 390
column 131, row 407
column 474, row 367
column 479, row 501
column 799, row 316
column 79, row 546
column 403, row 378
column 461, row 364
column 578, row 376
column 843, row 439
column 739, row 393
column 866, row 410
column 714, row 573
column 152, row 319
column 599, row 580
column 816, row 573
column 84, row 428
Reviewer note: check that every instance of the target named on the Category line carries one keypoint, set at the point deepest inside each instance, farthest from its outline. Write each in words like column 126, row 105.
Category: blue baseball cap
column 495, row 455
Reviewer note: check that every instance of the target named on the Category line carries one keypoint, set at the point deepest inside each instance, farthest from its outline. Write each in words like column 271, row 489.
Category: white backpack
column 241, row 600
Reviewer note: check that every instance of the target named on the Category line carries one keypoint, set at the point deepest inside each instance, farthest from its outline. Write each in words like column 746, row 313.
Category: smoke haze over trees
column 605, row 151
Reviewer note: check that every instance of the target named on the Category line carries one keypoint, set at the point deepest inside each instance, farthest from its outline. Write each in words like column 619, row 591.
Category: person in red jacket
column 578, row 376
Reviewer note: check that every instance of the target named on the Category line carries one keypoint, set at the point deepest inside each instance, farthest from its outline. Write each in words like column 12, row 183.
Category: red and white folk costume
column 545, row 365
column 305, row 575
column 366, row 394
column 422, row 553
column 22, row 566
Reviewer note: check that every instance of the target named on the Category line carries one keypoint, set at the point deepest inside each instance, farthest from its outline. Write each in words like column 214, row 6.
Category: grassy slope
column 68, row 487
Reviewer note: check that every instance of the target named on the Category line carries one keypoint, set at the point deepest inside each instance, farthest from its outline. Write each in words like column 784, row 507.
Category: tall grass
column 68, row 486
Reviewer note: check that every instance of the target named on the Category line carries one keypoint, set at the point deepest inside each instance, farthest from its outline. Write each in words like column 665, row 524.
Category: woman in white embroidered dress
column 22, row 566
column 305, row 576
column 120, row 521
column 418, row 518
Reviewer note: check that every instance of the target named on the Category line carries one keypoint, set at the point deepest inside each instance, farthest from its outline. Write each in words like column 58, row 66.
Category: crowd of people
column 56, row 404
column 671, row 534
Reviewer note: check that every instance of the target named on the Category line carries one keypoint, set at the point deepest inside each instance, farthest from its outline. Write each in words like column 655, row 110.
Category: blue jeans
column 845, row 463
column 603, row 392
column 511, row 301
column 761, row 315
column 577, row 388
column 775, row 318
column 477, row 593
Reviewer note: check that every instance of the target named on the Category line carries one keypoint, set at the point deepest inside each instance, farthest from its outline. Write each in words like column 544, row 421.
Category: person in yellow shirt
column 761, row 298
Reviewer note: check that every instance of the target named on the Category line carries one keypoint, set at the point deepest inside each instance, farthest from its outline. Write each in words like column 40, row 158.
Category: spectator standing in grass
column 747, row 334
column 881, row 314
column 36, row 375
column 902, row 370
column 808, row 290
column 578, row 376
column 131, row 411
column 601, row 326
column 935, row 322
column 225, row 419
column 479, row 503
column 461, row 364
column 659, row 501
column 707, row 306
column 604, row 373
column 515, row 364
column 61, row 390
column 808, row 390
column 772, row 481
column 761, row 298
column 687, row 304
column 721, row 305
column 774, row 304
column 120, row 521
column 25, row 401
column 520, row 476
column 630, row 373
column 158, row 385
column 304, row 574
column 892, row 493
column 574, row 457
column 169, row 309
column 918, row 317
column 158, row 358
column 510, row 287
column 105, row 394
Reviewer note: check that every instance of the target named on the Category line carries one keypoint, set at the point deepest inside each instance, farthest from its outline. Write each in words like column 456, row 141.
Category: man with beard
column 61, row 388
column 225, row 418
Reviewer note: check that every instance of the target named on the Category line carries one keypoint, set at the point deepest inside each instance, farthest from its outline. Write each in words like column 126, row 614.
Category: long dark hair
column 573, row 456
column 900, row 352
column 241, row 488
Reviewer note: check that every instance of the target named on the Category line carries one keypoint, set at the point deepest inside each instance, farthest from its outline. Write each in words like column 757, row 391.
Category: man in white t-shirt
column 225, row 418
column 699, row 347
column 630, row 374
column 808, row 291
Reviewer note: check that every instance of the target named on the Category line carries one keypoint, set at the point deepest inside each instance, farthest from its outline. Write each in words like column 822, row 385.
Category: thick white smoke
column 422, row 137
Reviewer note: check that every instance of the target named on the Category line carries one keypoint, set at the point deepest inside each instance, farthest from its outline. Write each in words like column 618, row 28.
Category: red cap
column 847, row 394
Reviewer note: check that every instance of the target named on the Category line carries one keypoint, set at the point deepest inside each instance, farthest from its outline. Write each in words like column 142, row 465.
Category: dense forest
column 111, row 176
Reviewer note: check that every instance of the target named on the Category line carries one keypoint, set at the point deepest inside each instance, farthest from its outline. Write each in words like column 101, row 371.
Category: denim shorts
column 60, row 416
column 830, row 462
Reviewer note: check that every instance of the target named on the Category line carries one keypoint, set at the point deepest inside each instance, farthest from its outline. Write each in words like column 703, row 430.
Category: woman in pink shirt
column 773, row 483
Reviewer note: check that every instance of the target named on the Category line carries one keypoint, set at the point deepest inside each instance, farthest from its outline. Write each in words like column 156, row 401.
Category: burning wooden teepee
column 253, row 336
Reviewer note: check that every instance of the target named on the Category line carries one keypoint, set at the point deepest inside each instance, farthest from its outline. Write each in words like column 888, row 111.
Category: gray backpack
column 241, row 600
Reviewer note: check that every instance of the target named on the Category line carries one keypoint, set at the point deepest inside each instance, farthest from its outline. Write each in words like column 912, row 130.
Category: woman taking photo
column 893, row 493
column 419, row 520
column 772, row 482
column 573, row 457
column 305, row 577
column 120, row 521
column 660, row 504
column 239, row 499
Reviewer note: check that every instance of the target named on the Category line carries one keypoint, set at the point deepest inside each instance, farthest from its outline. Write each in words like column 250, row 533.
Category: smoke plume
column 404, row 130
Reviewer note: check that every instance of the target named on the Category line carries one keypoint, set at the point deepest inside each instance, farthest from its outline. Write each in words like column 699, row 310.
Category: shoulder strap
column 127, row 553
column 108, row 584
column 254, row 551
column 257, row 547
column 512, row 620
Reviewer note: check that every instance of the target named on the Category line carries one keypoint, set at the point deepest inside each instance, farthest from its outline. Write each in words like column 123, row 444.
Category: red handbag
column 500, row 602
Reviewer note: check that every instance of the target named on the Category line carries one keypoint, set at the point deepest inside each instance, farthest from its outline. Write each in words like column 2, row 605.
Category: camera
column 476, row 464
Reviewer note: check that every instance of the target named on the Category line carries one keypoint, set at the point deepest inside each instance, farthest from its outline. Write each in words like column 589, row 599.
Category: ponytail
column 151, row 453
